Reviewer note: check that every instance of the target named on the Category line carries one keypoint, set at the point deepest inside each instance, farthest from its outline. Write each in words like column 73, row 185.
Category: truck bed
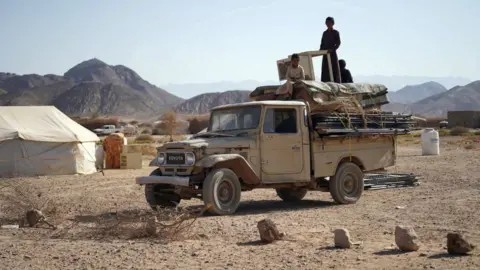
column 371, row 152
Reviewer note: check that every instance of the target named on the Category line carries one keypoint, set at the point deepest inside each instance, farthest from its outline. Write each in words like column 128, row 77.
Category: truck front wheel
column 221, row 192
column 346, row 186
column 160, row 195
column 291, row 195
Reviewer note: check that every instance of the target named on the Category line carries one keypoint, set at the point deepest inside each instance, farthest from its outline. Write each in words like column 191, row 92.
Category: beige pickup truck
column 265, row 144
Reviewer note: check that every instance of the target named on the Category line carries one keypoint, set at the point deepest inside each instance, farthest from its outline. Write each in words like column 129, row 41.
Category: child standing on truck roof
column 294, row 73
column 330, row 42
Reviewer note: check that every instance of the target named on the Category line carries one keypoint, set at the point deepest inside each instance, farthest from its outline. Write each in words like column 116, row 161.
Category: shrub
column 196, row 125
column 459, row 131
column 147, row 131
column 169, row 124
column 145, row 125
column 144, row 138
column 477, row 133
column 443, row 132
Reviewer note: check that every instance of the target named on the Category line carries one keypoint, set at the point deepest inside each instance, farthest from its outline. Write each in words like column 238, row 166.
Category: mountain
column 458, row 98
column 393, row 83
column 189, row 90
column 203, row 103
column 91, row 87
column 413, row 93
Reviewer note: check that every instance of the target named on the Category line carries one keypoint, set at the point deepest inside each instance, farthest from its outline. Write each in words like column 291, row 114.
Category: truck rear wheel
column 221, row 192
column 346, row 186
column 160, row 195
column 291, row 194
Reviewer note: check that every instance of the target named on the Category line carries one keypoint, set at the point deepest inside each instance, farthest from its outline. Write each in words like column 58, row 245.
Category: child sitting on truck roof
column 294, row 73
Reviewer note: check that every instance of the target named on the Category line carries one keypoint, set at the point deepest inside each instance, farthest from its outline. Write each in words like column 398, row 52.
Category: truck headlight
column 189, row 158
column 161, row 158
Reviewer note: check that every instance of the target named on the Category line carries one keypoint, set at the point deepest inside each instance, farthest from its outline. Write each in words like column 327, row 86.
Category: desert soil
column 447, row 200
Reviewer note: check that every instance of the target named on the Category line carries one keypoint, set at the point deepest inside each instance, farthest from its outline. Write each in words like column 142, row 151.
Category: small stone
column 342, row 238
column 458, row 245
column 400, row 207
column 406, row 238
column 268, row 231
column 423, row 255
column 151, row 226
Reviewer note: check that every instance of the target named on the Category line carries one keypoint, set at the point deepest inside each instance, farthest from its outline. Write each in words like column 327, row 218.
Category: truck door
column 281, row 146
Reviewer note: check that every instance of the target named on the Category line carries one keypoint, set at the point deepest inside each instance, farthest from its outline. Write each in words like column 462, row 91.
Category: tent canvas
column 41, row 140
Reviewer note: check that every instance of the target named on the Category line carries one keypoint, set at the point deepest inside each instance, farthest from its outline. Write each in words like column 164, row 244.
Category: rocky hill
column 91, row 87
column 413, row 93
column 465, row 97
column 203, row 103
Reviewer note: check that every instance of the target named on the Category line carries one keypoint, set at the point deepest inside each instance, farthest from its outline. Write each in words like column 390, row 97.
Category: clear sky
column 186, row 41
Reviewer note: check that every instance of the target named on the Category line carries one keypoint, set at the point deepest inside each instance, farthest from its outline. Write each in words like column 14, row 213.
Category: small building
column 468, row 119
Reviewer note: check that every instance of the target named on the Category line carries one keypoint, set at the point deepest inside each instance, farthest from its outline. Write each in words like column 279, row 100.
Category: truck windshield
column 246, row 117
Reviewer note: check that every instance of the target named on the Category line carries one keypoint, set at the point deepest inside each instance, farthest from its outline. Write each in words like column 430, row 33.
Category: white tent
column 41, row 140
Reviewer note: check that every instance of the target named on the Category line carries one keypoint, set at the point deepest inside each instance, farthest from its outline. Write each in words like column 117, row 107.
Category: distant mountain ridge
column 413, row 93
column 393, row 83
column 90, row 87
column 458, row 98
column 203, row 103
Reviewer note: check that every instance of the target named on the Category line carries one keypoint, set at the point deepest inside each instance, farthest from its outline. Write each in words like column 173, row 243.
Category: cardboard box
column 130, row 160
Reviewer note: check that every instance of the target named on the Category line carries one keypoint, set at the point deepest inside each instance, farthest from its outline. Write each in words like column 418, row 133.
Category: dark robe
column 346, row 75
column 330, row 41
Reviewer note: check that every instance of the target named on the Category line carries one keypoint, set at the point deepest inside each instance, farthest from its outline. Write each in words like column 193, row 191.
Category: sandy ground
column 447, row 200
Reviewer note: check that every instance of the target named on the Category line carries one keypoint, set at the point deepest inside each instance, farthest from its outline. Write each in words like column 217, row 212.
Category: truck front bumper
column 170, row 180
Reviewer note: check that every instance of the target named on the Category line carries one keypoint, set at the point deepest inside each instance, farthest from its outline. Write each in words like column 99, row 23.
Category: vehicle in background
column 443, row 124
column 107, row 129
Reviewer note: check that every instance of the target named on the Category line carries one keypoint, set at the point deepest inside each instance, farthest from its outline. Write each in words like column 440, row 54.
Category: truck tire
column 291, row 194
column 160, row 195
column 346, row 186
column 221, row 192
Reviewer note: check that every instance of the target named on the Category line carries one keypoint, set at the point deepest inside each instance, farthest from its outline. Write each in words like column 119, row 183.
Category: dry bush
column 157, row 131
column 18, row 196
column 145, row 125
column 196, row 125
column 169, row 124
column 147, row 131
column 144, row 138
column 165, row 224
column 443, row 132
column 134, row 122
column 93, row 123
column 459, row 131
column 471, row 146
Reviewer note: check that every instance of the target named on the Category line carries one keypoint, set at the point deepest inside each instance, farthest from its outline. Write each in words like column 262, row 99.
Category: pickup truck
column 266, row 144
column 107, row 129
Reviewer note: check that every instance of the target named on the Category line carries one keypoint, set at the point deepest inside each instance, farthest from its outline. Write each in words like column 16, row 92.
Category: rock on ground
column 34, row 216
column 151, row 226
column 458, row 245
column 268, row 231
column 406, row 238
column 342, row 238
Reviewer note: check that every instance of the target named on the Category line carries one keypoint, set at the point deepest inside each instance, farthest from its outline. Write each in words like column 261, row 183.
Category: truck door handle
column 295, row 147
